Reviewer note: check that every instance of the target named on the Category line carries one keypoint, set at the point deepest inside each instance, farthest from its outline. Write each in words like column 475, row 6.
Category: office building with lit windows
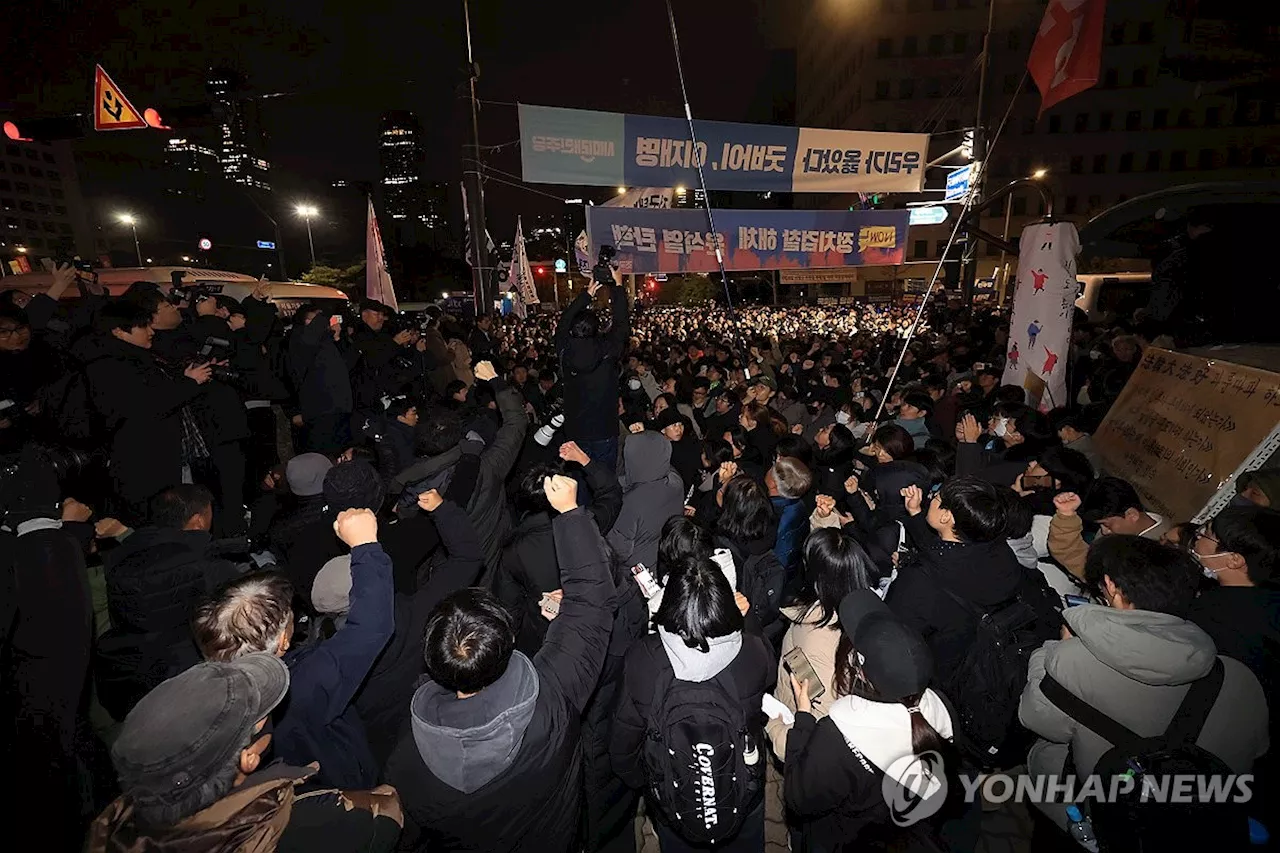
column 42, row 213
column 241, row 144
column 1185, row 95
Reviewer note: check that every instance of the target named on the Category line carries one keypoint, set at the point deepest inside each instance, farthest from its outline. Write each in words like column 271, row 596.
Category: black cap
column 190, row 729
column 666, row 418
column 375, row 305
column 893, row 657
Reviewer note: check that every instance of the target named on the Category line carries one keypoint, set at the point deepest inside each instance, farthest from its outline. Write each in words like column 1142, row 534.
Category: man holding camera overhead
column 589, row 362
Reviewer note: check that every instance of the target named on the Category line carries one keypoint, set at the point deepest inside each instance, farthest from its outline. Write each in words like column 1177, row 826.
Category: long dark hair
column 834, row 566
column 841, row 446
column 698, row 604
column 747, row 514
column 924, row 737
column 683, row 539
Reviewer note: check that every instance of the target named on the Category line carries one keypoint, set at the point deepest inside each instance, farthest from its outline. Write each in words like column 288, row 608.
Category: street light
column 306, row 211
column 622, row 190
column 132, row 221
column 1039, row 173
column 1036, row 175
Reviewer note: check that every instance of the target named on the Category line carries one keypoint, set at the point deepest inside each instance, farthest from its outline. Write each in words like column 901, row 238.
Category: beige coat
column 819, row 646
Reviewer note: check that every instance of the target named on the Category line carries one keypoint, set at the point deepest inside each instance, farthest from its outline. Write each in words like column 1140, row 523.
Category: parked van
column 1113, row 294
column 287, row 296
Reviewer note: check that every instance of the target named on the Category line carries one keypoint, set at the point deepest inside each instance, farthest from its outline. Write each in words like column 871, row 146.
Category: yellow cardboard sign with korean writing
column 1182, row 426
column 877, row 237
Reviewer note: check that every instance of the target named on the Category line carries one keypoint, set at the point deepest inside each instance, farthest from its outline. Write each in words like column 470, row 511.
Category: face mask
column 1002, row 427
column 843, row 417
column 633, row 384
column 1208, row 572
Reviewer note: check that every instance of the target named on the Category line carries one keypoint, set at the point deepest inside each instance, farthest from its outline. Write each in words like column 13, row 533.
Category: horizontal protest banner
column 562, row 146
column 680, row 241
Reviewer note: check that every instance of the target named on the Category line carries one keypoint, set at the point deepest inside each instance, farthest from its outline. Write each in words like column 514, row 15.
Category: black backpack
column 987, row 685
column 696, row 753
column 1137, row 820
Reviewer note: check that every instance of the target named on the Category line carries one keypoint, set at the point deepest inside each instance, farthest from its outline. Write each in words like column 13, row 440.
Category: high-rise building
column 242, row 143
column 401, row 156
column 1182, row 98
column 42, row 213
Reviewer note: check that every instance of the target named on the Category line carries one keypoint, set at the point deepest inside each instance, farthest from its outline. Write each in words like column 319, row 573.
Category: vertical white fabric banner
column 377, row 281
column 520, row 279
column 1043, row 306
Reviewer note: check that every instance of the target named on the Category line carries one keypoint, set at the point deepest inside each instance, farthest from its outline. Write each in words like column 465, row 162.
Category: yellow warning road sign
column 111, row 109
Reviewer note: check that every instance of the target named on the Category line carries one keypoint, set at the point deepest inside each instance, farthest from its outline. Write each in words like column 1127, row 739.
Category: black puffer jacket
column 589, row 368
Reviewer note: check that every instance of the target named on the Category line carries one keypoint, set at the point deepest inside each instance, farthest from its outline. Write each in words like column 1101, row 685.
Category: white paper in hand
column 774, row 709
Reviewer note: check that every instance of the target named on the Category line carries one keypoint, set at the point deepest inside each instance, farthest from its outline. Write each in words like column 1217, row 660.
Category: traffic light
column 185, row 117
column 45, row 129
column 540, row 271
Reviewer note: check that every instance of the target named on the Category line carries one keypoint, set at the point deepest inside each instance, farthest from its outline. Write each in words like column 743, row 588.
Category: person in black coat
column 492, row 760
column 319, row 372
column 144, row 406
column 530, row 568
column 589, row 363
column 883, row 715
column 962, row 549
column 155, row 580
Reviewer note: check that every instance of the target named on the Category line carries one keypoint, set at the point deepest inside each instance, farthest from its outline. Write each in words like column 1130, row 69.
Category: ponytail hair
column 924, row 737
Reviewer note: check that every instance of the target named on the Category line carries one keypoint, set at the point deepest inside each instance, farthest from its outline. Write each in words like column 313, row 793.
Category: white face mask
column 1211, row 574
column 1002, row 427
column 843, row 417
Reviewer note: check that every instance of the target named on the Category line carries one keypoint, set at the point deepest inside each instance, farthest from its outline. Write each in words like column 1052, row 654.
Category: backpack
column 696, row 751
column 987, row 685
column 1136, row 820
column 761, row 578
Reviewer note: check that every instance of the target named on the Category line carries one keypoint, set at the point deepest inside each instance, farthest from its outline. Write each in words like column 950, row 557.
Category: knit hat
column 305, row 474
column 353, row 485
column 331, row 590
column 1265, row 480
column 667, row 417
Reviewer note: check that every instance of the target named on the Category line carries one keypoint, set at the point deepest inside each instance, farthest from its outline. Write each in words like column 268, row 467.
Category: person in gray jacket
column 652, row 493
column 1134, row 660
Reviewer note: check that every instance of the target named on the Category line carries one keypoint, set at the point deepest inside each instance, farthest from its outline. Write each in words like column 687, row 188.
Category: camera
column 217, row 349
column 602, row 272
column 554, row 420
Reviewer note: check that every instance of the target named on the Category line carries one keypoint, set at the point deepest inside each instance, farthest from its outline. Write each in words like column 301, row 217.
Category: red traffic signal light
column 541, row 271
column 11, row 130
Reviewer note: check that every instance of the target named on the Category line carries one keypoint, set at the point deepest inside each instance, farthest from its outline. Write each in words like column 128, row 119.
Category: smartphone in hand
column 797, row 663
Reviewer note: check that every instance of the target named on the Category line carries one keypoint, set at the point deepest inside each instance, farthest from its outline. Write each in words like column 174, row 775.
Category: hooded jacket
column 1136, row 666
column 652, row 493
column 501, row 770
column 983, row 573
column 835, row 767
column 589, row 370
column 529, row 566
column 819, row 645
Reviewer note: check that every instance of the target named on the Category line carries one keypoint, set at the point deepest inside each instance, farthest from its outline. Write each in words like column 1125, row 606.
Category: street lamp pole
column 132, row 221
column 306, row 211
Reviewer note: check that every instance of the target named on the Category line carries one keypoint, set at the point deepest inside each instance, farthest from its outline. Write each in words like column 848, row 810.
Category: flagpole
column 475, row 192
column 969, row 271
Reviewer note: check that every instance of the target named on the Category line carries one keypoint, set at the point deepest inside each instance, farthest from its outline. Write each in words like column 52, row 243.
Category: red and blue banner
column 676, row 241
column 584, row 147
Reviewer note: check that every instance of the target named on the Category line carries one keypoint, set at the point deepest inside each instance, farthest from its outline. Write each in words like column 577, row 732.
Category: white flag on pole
column 1043, row 307
column 376, row 278
column 520, row 278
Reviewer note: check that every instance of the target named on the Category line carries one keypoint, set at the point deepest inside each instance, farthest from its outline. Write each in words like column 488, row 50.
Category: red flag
column 1067, row 53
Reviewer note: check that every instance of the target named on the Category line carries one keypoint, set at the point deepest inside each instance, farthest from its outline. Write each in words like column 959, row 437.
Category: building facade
column 42, row 210
column 241, row 142
column 1183, row 98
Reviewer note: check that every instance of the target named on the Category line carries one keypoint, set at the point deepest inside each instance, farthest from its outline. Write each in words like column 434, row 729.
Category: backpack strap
column 1117, row 734
column 1196, row 705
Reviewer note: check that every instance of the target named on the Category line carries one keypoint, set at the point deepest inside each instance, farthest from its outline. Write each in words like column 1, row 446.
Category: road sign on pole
column 266, row 244
column 933, row 215
column 958, row 182
column 111, row 109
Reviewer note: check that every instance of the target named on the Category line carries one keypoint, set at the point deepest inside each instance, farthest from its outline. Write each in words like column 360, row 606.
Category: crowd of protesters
column 343, row 581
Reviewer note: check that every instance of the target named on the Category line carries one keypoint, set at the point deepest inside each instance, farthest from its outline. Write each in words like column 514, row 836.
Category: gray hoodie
column 653, row 494
column 1135, row 666
column 468, row 742
column 693, row 665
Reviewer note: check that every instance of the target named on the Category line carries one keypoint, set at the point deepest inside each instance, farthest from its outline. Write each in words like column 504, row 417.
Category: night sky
column 329, row 68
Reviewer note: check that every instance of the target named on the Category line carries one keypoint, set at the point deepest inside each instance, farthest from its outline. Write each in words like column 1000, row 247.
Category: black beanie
column 353, row 485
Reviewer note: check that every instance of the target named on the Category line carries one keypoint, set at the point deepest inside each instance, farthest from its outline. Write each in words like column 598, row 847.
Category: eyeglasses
column 10, row 331
column 1204, row 533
